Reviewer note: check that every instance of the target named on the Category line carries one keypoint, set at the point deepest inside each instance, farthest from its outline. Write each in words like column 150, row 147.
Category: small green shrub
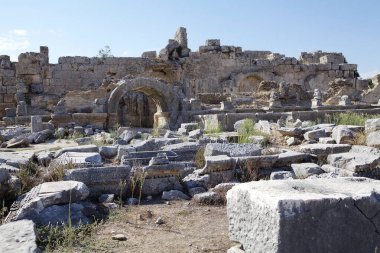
column 348, row 118
column 199, row 158
column 246, row 130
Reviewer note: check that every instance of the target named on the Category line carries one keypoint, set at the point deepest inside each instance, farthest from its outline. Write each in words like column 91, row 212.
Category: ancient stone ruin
column 162, row 91
column 290, row 146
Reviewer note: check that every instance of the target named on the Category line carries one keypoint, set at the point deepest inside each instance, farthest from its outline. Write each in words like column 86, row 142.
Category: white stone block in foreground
column 312, row 215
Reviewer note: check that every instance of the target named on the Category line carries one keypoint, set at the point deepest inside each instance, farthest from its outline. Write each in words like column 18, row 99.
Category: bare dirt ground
column 187, row 228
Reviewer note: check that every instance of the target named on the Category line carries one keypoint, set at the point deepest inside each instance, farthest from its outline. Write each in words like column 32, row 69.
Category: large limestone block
column 312, row 215
column 18, row 237
column 232, row 149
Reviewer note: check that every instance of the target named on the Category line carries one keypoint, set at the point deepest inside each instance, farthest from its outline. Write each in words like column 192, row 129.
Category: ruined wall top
column 181, row 37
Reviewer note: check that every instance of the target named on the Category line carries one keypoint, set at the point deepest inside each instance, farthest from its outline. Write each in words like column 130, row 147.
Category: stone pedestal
column 36, row 124
column 316, row 102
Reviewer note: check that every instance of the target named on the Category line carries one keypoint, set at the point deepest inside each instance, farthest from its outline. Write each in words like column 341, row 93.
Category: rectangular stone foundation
column 320, row 215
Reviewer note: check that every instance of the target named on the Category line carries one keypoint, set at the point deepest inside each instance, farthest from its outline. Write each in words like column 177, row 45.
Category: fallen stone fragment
column 119, row 237
column 281, row 175
column 315, row 134
column 208, row 198
column 174, row 195
column 305, row 170
column 160, row 221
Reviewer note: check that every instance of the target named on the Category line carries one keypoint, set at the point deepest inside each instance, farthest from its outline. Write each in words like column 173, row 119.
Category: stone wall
column 218, row 69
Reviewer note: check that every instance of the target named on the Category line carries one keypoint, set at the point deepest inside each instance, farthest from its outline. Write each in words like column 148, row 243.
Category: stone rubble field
column 319, row 195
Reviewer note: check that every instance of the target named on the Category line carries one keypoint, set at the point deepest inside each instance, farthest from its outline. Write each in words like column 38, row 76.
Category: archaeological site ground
column 218, row 149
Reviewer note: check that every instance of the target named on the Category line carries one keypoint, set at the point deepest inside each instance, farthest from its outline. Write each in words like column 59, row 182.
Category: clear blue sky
column 82, row 27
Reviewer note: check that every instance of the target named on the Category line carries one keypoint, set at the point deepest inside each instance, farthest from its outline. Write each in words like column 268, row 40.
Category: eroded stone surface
column 18, row 237
column 232, row 149
column 323, row 215
column 101, row 180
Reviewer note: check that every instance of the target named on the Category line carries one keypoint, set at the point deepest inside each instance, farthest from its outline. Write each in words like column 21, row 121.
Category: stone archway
column 316, row 81
column 166, row 97
column 249, row 83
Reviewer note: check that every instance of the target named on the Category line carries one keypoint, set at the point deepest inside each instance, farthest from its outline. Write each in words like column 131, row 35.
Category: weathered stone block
column 305, row 170
column 101, row 180
column 324, row 215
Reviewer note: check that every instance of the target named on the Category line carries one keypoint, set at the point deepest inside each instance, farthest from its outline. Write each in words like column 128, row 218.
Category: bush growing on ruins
column 122, row 186
column 200, row 158
column 137, row 180
column 212, row 129
column 247, row 130
column 56, row 171
column 30, row 176
column 52, row 238
column 104, row 52
column 249, row 172
column 348, row 118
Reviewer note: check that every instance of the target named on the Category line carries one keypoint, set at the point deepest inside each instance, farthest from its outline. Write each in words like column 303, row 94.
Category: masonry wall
column 213, row 69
